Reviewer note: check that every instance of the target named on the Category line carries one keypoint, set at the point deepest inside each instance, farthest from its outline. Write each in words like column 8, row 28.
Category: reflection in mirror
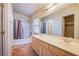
column 53, row 25
column 43, row 26
column 36, row 26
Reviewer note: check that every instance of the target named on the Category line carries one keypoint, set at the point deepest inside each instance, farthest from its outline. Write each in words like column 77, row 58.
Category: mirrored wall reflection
column 36, row 26
column 46, row 27
column 52, row 26
column 55, row 26
column 64, row 23
column 43, row 30
column 43, row 26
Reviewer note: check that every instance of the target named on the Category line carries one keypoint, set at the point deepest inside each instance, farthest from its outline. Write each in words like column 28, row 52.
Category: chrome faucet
column 68, row 40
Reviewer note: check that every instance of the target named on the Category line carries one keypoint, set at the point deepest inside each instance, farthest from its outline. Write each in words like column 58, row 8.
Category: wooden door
column 69, row 26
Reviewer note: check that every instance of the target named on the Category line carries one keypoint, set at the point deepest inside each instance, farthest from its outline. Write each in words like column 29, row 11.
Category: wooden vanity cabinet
column 45, row 49
column 40, row 47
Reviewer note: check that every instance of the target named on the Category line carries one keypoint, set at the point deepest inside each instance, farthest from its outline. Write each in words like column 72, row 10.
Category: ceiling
column 27, row 9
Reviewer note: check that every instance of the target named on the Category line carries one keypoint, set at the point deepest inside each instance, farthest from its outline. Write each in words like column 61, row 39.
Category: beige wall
column 44, row 12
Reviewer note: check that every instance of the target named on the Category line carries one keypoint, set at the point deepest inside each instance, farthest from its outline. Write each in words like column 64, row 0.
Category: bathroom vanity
column 48, row 45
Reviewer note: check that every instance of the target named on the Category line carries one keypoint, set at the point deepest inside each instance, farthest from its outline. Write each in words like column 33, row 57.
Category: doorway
column 69, row 26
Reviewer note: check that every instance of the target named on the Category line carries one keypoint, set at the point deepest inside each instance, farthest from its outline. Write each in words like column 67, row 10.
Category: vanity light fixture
column 50, row 5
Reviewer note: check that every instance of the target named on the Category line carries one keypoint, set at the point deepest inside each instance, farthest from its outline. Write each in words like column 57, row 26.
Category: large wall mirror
column 64, row 23
column 55, row 26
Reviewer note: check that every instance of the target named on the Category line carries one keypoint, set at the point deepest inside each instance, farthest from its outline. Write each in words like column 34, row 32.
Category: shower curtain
column 17, row 29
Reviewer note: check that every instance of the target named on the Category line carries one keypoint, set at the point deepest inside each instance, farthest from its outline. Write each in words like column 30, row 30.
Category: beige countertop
column 72, row 47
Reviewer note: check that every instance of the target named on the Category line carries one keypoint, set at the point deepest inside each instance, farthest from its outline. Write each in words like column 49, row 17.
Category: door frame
column 2, row 32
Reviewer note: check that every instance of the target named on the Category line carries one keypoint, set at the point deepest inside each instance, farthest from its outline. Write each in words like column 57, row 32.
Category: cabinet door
column 45, row 52
column 58, row 51
column 36, row 47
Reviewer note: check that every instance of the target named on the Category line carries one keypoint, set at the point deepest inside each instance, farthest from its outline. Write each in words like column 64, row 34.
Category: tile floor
column 23, row 50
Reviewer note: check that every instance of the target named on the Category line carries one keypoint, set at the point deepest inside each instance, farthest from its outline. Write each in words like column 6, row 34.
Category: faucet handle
column 68, row 39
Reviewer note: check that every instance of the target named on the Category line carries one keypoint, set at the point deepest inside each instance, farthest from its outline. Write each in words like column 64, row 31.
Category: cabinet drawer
column 58, row 51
